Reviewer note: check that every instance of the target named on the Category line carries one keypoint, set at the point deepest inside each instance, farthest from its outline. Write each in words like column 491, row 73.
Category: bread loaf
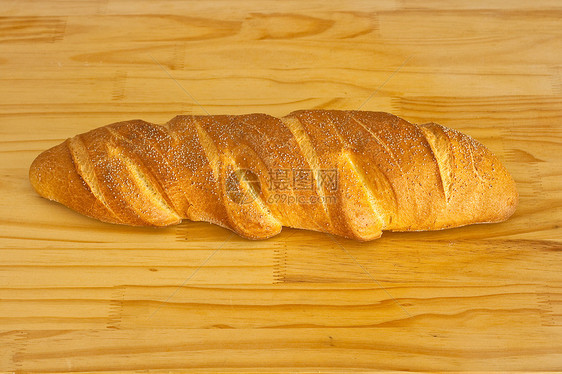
column 348, row 173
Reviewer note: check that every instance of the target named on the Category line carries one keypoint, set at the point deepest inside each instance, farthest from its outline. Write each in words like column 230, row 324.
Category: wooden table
column 80, row 295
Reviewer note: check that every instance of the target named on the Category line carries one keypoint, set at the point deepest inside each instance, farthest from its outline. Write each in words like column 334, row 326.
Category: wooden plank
column 309, row 349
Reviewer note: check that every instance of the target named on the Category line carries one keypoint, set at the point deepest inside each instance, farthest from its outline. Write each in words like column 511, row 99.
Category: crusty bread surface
column 348, row 173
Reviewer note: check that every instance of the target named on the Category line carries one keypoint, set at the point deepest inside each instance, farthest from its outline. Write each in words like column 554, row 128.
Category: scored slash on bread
column 384, row 174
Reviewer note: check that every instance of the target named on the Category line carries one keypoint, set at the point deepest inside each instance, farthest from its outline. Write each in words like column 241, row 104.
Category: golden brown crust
column 349, row 173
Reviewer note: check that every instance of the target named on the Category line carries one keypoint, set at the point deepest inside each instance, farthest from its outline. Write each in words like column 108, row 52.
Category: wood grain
column 77, row 295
